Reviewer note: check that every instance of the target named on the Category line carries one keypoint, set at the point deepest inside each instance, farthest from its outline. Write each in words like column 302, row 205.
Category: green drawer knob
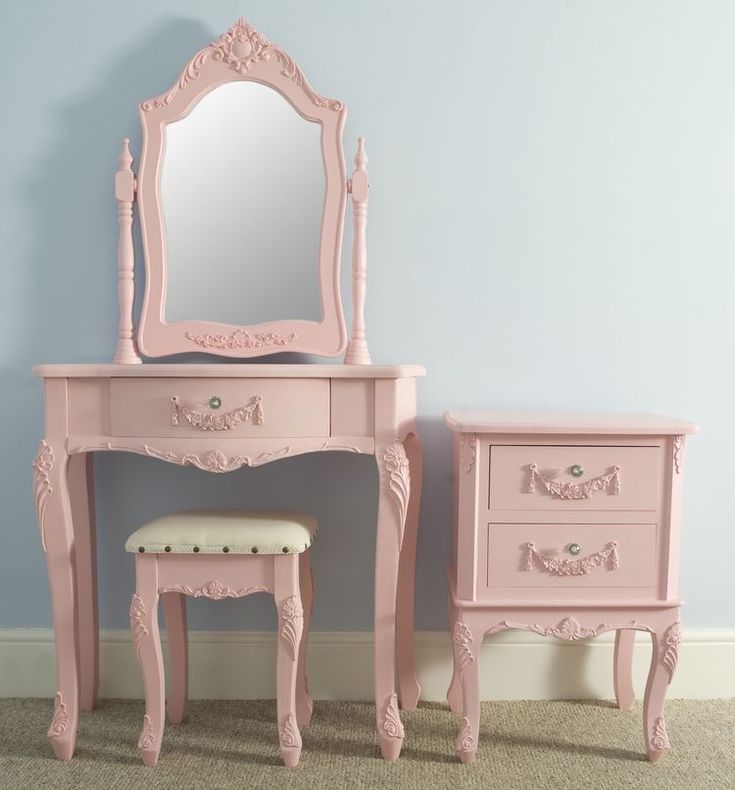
column 215, row 402
column 577, row 470
column 574, row 548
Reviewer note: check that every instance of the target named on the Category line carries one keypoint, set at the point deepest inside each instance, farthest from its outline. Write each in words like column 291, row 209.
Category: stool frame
column 171, row 577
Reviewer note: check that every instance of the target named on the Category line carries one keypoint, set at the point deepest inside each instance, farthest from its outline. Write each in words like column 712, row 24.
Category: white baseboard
column 514, row 665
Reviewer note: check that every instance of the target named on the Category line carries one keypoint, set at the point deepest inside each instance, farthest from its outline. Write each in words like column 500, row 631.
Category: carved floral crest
column 241, row 48
column 43, row 463
column 292, row 617
column 670, row 657
column 398, row 479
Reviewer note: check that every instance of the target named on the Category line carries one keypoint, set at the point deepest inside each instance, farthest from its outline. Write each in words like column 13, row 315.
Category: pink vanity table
column 221, row 417
column 567, row 525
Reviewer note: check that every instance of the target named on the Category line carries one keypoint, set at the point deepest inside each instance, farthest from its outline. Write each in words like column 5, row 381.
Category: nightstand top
column 566, row 423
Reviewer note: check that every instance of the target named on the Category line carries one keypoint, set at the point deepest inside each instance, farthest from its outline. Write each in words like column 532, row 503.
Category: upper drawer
column 227, row 407
column 574, row 478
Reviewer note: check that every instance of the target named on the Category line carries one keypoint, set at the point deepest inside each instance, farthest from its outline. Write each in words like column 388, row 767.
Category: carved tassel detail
column 529, row 556
column 560, row 566
column 205, row 421
column 610, row 481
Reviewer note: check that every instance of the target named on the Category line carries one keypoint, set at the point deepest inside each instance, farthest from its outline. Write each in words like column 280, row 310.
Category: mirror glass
column 242, row 193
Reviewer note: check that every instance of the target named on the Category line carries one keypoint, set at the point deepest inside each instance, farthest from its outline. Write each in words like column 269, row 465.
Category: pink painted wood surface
column 147, row 643
column 515, row 570
column 626, row 478
column 174, row 609
column 285, row 407
column 516, row 566
column 357, row 350
column 126, row 353
column 287, row 592
column 241, row 54
column 232, row 370
column 409, row 690
column 80, row 479
column 218, row 577
column 623, row 669
column 304, row 703
column 572, row 423
column 54, row 512
column 79, row 412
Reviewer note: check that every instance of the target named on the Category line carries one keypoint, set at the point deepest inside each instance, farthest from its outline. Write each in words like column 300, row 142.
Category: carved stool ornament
column 218, row 555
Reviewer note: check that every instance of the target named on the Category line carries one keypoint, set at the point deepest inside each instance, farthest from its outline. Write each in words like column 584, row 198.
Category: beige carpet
column 536, row 745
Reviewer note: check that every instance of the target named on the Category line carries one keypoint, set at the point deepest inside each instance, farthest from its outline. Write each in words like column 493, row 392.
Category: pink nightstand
column 567, row 525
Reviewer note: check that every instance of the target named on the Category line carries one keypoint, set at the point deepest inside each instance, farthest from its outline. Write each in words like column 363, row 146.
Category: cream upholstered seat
column 225, row 531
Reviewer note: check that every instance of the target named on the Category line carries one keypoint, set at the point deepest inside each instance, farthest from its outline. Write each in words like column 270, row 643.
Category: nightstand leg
column 623, row 668
column 454, row 693
column 467, row 642
column 663, row 662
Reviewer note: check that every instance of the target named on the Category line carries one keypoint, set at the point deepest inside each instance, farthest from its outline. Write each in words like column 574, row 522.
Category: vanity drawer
column 224, row 407
column 543, row 478
column 538, row 556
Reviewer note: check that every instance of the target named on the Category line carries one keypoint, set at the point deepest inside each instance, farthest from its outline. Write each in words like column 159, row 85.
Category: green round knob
column 577, row 470
column 574, row 548
column 215, row 402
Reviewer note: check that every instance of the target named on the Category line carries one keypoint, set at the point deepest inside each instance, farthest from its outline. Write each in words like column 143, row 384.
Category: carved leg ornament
column 663, row 662
column 465, row 667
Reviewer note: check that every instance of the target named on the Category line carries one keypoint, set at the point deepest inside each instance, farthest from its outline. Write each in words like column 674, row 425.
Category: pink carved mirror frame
column 240, row 54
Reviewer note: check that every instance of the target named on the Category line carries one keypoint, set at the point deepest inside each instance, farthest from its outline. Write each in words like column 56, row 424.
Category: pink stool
column 221, row 554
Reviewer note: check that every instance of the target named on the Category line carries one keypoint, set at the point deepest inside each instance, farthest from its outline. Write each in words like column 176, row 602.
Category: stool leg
column 174, row 608
column 623, row 668
column 304, row 704
column 290, row 627
column 147, row 641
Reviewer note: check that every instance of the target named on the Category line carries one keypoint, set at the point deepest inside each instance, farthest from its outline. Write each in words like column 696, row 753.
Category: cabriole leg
column 304, row 704
column 174, row 609
column 664, row 657
column 454, row 693
column 147, row 641
column 81, row 499
column 409, row 690
column 623, row 668
column 467, row 641
column 50, row 476
column 290, row 628
column 394, row 490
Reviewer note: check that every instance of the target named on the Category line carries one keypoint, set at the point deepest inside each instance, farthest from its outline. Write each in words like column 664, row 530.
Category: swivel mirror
column 241, row 196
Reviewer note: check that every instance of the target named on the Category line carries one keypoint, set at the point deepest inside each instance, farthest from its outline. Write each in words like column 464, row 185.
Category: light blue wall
column 552, row 225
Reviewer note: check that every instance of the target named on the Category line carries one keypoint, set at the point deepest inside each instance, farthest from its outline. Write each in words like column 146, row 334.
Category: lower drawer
column 566, row 560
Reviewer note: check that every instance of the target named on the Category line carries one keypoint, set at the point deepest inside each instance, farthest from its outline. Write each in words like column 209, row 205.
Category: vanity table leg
column 664, row 657
column 409, row 690
column 623, row 668
column 174, row 610
column 290, row 608
column 51, row 492
column 81, row 499
column 394, row 488
column 304, row 704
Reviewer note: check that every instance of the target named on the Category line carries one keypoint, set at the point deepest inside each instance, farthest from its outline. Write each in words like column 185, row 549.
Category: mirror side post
column 359, row 187
column 126, row 353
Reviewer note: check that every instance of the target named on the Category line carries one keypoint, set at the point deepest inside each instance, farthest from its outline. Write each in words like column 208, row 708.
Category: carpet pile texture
column 534, row 745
